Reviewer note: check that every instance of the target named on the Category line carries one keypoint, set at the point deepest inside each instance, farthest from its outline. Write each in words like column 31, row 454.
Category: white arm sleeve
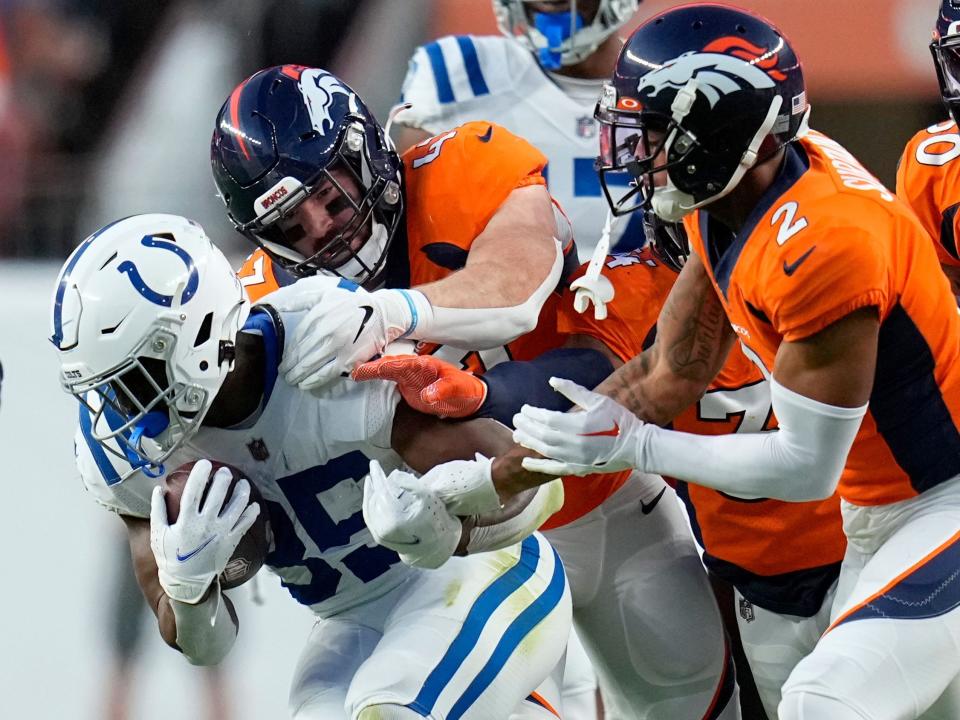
column 800, row 461
column 205, row 631
column 548, row 499
column 480, row 328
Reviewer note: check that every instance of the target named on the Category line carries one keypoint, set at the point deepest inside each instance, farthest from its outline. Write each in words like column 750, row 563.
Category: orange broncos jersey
column 453, row 185
column 928, row 180
column 828, row 239
column 783, row 556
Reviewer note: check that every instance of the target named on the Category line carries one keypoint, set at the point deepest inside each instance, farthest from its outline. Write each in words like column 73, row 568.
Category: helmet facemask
column 140, row 400
column 377, row 212
column 946, row 59
column 563, row 37
column 667, row 240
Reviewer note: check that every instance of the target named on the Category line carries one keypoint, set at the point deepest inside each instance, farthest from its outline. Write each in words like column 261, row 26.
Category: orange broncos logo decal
column 766, row 60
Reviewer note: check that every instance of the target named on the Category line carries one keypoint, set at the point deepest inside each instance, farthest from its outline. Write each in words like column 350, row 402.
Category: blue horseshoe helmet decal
column 128, row 267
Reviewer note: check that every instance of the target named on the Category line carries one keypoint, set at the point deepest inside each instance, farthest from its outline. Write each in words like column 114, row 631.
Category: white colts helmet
column 576, row 41
column 145, row 316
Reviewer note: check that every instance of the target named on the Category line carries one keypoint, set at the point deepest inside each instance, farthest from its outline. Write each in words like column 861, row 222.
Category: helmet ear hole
column 203, row 334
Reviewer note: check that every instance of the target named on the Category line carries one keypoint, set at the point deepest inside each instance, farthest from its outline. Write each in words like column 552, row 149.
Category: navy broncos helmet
column 946, row 55
column 281, row 136
column 701, row 92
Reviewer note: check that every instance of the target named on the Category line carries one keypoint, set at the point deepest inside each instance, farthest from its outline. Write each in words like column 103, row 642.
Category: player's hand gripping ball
column 251, row 551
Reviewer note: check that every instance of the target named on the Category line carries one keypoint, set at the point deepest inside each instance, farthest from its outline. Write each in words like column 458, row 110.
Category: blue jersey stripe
column 526, row 621
column 483, row 608
column 107, row 470
column 440, row 74
column 472, row 64
column 929, row 590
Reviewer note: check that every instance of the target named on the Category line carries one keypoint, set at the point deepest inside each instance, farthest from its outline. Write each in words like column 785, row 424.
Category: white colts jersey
column 307, row 454
column 458, row 79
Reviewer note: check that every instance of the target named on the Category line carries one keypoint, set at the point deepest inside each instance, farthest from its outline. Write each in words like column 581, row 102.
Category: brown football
column 250, row 554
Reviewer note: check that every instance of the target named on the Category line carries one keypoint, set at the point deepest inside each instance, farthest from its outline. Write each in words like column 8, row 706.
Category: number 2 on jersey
column 790, row 224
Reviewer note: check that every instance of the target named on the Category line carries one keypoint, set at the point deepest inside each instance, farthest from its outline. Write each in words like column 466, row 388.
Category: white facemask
column 370, row 254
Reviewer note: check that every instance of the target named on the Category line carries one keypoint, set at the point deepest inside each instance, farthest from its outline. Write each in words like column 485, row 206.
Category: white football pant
column 893, row 649
column 774, row 643
column 469, row 640
column 644, row 609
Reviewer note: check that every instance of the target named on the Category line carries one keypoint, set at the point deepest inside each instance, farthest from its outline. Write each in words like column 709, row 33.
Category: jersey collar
column 795, row 164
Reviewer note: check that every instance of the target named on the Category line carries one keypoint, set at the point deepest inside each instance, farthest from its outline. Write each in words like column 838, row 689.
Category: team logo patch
column 717, row 76
column 258, row 450
column 746, row 610
column 320, row 90
column 586, row 127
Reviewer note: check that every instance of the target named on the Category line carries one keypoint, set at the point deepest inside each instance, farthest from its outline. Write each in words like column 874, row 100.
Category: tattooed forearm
column 629, row 387
column 693, row 339
column 696, row 349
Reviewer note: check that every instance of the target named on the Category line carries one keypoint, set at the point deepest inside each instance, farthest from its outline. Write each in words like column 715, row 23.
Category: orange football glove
column 428, row 384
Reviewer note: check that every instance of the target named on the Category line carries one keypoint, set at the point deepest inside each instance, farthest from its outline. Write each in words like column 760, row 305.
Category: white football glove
column 343, row 330
column 465, row 486
column 405, row 517
column 193, row 551
column 606, row 437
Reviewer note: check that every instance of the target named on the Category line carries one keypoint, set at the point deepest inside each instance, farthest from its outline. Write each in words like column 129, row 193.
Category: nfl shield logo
column 746, row 610
column 258, row 449
column 586, row 127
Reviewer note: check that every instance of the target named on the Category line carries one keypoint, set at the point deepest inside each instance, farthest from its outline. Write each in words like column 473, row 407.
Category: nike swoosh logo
column 367, row 312
column 791, row 268
column 184, row 558
column 647, row 508
column 487, row 135
column 611, row 432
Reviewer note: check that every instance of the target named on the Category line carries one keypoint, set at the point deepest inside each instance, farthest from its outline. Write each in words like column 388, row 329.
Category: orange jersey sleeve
column 455, row 182
column 928, row 180
column 259, row 276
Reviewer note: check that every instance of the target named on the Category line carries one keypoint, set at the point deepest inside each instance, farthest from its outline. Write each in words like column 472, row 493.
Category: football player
column 928, row 179
column 158, row 341
column 450, row 189
column 782, row 559
column 831, row 286
column 541, row 80
column 308, row 175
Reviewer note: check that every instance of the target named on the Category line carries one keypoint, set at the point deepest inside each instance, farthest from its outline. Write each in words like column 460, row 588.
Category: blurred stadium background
column 106, row 109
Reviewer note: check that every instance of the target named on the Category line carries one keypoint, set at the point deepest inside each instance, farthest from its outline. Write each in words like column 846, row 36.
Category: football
column 250, row 554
